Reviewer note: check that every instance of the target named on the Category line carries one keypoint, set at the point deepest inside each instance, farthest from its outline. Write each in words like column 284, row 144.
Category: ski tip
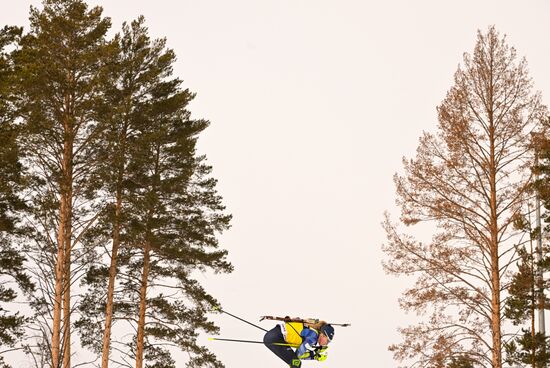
column 216, row 308
column 211, row 338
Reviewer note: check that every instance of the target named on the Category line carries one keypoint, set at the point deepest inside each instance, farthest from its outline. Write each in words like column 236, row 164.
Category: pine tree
column 11, row 182
column 470, row 180
column 164, row 211
column 460, row 362
column 529, row 347
column 176, row 215
column 60, row 71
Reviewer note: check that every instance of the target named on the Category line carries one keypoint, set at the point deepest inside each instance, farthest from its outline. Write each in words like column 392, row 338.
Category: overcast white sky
column 313, row 104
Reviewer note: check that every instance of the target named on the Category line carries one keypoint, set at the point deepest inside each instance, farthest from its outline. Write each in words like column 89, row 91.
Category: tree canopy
column 98, row 159
column 471, row 181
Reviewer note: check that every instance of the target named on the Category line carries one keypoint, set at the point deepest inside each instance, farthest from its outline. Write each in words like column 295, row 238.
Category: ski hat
column 329, row 331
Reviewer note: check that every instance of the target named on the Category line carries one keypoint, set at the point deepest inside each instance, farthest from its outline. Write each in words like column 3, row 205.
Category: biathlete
column 311, row 338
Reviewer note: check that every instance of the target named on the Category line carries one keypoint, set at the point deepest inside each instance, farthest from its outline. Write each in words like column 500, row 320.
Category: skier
column 310, row 336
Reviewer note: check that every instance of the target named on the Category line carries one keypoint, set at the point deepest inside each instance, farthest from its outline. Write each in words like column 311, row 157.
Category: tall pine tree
column 60, row 71
column 12, row 276
column 471, row 180
column 176, row 216
column 165, row 215
column 530, row 347
column 529, row 289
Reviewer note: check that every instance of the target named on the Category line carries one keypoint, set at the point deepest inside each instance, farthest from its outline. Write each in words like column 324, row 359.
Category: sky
column 313, row 104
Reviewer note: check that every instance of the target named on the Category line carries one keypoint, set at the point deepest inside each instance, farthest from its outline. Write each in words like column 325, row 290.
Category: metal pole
column 253, row 342
column 217, row 308
column 540, row 276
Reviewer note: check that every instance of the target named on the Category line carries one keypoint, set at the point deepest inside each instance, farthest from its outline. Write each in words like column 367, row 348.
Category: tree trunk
column 495, row 298
column 67, row 284
column 142, row 305
column 494, row 251
column 112, row 275
column 495, row 310
column 66, row 217
column 56, row 328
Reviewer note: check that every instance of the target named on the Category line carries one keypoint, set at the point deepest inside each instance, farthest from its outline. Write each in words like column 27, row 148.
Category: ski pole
column 288, row 319
column 218, row 308
column 252, row 342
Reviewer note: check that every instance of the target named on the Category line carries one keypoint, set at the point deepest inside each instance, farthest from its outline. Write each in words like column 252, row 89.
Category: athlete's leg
column 275, row 336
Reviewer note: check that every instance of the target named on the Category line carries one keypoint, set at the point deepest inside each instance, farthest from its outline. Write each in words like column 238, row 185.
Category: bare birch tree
column 470, row 181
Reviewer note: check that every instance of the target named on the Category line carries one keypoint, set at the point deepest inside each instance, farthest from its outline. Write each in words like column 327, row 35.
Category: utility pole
column 540, row 276
column 540, row 271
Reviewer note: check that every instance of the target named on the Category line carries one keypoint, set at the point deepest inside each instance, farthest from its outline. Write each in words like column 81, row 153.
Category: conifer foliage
column 167, row 215
column 530, row 347
column 471, row 181
column 530, row 284
column 60, row 67
column 102, row 184
column 13, row 278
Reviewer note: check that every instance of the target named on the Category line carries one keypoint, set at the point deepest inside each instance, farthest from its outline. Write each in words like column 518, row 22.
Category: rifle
column 301, row 320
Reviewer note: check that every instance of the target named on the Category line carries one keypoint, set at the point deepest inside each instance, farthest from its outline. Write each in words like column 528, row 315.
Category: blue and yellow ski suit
column 299, row 336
